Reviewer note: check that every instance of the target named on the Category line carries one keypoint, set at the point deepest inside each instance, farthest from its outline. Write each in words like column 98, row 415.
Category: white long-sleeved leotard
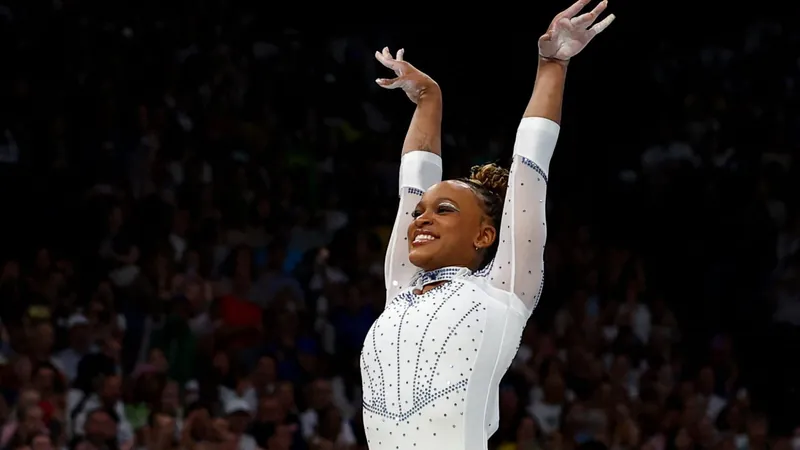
column 431, row 363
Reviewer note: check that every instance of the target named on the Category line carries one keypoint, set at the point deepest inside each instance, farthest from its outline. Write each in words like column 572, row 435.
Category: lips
column 422, row 237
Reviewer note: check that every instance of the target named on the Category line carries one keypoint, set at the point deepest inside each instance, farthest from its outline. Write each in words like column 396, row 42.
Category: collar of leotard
column 437, row 275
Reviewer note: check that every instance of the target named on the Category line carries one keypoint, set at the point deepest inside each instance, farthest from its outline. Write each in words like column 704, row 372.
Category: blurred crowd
column 197, row 207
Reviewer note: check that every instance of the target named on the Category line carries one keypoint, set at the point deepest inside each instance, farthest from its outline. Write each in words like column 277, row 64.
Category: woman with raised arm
column 464, row 268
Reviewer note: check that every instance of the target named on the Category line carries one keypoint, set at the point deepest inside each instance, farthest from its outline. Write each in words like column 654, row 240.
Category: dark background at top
column 486, row 68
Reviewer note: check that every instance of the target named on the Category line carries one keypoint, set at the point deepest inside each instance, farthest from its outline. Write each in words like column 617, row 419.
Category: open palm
column 407, row 77
column 569, row 33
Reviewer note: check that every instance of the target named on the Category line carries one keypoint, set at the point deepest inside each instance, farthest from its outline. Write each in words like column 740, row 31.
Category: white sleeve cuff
column 420, row 170
column 536, row 140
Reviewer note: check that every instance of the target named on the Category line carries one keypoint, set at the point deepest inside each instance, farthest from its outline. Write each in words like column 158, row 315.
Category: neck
column 427, row 280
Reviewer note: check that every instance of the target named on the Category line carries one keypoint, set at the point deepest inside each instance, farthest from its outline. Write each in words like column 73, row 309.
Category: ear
column 486, row 236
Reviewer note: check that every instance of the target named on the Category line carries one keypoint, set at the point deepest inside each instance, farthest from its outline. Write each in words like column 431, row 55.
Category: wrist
column 545, row 60
column 431, row 93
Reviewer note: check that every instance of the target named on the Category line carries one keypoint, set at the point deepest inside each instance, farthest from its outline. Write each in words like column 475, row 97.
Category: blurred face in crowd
column 33, row 418
column 526, row 431
column 449, row 222
column 321, row 394
column 100, row 427
column 757, row 428
column 243, row 384
column 43, row 261
column 97, row 312
column 196, row 295
column 170, row 397
column 686, row 390
column 693, row 411
column 238, row 422
column 705, row 382
column 308, row 360
column 620, row 368
column 243, row 263
column 28, row 398
column 554, row 389
column 42, row 442
column 43, row 338
column 163, row 423
column 201, row 427
column 221, row 430
column 111, row 390
column 270, row 410
column 80, row 336
column 736, row 419
column 285, row 395
column 266, row 371
column 158, row 360
column 192, row 261
column 112, row 348
column 10, row 271
column 729, row 443
column 705, row 432
column 115, row 218
column 508, row 402
column 263, row 208
column 85, row 445
column 604, row 394
column 44, row 380
column 282, row 438
column 578, row 302
column 23, row 369
column 221, row 363
column 330, row 424
column 181, row 222
column 355, row 300
column 161, row 266
column 683, row 440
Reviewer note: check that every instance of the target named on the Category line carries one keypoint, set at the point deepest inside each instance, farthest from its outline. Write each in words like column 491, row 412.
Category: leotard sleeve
column 519, row 264
column 419, row 170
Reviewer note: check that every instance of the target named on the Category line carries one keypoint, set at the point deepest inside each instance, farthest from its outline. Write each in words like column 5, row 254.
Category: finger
column 400, row 54
column 546, row 37
column 602, row 25
column 393, row 83
column 387, row 62
column 584, row 20
column 387, row 54
column 574, row 9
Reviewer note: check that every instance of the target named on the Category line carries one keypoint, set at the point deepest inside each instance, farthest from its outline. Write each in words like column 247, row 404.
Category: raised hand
column 567, row 34
column 408, row 78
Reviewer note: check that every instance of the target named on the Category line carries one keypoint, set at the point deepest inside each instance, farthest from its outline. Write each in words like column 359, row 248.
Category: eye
column 416, row 213
column 445, row 208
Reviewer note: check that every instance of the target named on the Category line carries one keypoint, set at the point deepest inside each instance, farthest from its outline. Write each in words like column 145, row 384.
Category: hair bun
column 492, row 177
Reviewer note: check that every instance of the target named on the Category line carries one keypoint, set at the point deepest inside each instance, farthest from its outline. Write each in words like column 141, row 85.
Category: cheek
column 461, row 229
column 456, row 233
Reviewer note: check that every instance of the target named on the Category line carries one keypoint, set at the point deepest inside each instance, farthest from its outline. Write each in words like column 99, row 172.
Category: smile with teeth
column 423, row 238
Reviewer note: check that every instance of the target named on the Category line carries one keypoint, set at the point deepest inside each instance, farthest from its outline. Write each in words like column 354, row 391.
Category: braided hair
column 489, row 182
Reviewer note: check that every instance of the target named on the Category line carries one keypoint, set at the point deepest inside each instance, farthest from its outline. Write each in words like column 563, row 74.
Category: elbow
column 536, row 140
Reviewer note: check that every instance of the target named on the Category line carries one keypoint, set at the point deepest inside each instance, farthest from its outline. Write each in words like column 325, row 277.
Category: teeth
column 424, row 238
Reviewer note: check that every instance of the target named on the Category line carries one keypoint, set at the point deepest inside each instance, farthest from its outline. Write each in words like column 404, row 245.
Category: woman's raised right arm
column 421, row 161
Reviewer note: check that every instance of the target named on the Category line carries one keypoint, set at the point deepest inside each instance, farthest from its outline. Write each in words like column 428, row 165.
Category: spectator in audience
column 204, row 257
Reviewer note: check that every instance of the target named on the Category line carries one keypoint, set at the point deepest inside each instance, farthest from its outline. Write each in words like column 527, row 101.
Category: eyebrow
column 440, row 200
column 446, row 199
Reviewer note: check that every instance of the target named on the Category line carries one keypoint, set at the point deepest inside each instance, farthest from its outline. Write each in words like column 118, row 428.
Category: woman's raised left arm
column 519, row 264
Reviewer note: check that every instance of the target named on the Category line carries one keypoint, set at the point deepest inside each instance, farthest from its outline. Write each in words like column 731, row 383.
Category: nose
column 423, row 219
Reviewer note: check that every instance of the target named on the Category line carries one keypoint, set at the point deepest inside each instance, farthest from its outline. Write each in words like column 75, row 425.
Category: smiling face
column 449, row 224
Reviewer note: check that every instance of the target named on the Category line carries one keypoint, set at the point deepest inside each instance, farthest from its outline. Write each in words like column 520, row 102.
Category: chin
column 423, row 257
